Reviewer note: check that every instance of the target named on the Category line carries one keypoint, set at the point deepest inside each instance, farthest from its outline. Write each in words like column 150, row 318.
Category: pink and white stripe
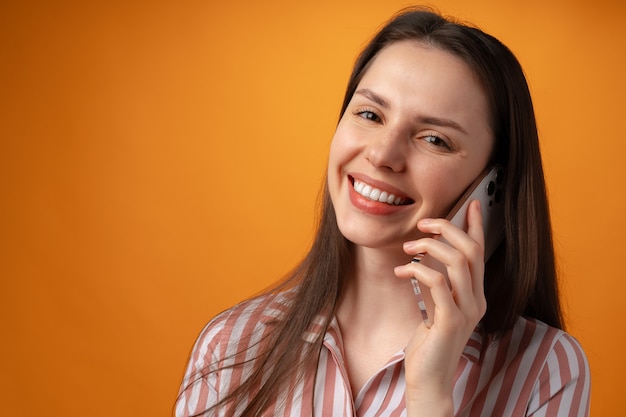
column 533, row 370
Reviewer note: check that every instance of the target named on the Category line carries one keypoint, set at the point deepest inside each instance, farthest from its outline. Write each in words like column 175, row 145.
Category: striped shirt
column 533, row 370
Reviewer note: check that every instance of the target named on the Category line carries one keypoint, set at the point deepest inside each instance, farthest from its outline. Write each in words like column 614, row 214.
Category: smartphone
column 488, row 188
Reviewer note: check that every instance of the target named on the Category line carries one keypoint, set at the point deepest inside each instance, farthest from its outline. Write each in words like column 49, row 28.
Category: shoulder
column 544, row 368
column 229, row 329
column 230, row 339
column 263, row 308
column 564, row 359
column 533, row 338
column 538, row 352
column 550, row 341
column 559, row 369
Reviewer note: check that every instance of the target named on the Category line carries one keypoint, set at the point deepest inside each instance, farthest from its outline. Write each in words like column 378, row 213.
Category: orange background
column 159, row 161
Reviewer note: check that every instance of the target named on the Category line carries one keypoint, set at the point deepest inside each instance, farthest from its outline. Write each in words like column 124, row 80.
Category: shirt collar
column 475, row 345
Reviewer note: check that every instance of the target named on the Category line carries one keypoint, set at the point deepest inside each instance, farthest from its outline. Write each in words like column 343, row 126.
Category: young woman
column 429, row 105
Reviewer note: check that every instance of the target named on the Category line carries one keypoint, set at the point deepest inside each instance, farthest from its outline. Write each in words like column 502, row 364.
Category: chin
column 373, row 238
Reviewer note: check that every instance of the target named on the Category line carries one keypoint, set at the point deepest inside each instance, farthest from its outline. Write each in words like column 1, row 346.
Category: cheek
column 341, row 150
column 332, row 158
column 441, row 197
column 441, row 191
column 334, row 169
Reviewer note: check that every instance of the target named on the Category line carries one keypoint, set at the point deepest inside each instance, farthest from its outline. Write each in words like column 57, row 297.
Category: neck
column 373, row 297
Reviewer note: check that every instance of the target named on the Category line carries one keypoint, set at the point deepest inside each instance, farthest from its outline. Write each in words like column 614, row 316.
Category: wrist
column 429, row 406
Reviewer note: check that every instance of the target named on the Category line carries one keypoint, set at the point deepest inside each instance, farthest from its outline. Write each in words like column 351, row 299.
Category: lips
column 375, row 194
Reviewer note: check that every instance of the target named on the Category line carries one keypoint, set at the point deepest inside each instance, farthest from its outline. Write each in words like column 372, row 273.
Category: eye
column 368, row 115
column 436, row 140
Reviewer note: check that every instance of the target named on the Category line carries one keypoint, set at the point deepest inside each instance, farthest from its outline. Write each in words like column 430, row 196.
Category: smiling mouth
column 374, row 194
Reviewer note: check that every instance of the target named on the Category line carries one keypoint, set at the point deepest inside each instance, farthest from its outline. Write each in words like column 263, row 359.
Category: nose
column 387, row 150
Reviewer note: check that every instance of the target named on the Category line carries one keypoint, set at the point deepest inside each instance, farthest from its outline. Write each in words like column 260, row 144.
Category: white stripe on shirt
column 532, row 370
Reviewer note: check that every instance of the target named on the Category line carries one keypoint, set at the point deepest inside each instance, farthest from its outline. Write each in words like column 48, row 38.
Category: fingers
column 458, row 282
column 433, row 284
column 476, row 232
column 469, row 246
column 475, row 224
column 441, row 300
column 471, row 243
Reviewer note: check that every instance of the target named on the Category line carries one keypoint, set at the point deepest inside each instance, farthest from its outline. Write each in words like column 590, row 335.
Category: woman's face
column 414, row 136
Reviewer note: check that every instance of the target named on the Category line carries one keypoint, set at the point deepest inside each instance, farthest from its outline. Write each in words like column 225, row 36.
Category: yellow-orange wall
column 160, row 160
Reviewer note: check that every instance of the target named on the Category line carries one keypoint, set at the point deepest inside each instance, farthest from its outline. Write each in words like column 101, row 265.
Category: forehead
column 427, row 78
column 422, row 63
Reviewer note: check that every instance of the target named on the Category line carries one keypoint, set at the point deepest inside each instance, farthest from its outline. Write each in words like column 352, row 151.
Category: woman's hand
column 433, row 352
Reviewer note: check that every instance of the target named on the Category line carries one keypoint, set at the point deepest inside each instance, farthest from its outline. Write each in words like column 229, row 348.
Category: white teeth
column 375, row 194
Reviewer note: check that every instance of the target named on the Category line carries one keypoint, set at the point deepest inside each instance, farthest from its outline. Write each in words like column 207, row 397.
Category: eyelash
column 437, row 141
column 368, row 114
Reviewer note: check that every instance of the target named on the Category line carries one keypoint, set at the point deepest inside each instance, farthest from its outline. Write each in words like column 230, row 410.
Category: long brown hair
column 520, row 278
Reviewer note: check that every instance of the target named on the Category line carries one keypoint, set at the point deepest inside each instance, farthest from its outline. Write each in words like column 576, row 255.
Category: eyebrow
column 367, row 93
column 430, row 120
column 438, row 121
